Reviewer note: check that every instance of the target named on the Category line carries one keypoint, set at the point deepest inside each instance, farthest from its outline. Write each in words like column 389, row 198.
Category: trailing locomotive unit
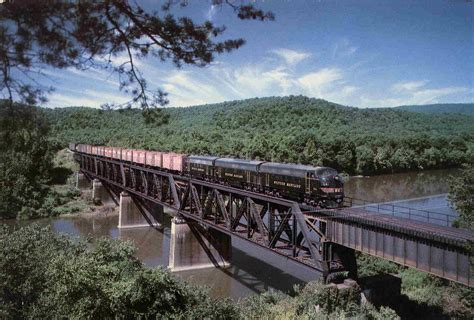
column 312, row 185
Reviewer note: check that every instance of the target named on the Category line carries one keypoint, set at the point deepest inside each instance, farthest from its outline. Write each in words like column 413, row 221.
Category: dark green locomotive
column 313, row 185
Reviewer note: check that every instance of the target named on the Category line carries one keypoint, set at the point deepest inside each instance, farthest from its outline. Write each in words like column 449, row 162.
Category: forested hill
column 288, row 129
column 463, row 108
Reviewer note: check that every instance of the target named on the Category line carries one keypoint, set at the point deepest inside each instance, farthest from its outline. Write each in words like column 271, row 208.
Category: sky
column 353, row 52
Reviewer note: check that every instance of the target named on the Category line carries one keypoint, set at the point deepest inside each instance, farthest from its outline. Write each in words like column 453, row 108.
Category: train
column 316, row 186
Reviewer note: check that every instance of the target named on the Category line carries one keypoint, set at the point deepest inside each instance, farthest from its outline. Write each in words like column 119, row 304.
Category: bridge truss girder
column 272, row 223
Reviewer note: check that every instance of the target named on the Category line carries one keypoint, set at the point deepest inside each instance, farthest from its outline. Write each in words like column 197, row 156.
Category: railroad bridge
column 324, row 240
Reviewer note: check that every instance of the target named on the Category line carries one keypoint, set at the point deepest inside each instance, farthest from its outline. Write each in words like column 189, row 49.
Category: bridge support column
column 135, row 215
column 101, row 195
column 195, row 247
column 82, row 182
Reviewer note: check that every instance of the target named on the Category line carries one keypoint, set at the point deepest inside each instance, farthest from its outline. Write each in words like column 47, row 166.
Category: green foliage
column 455, row 300
column 314, row 301
column 288, row 129
column 48, row 276
column 461, row 194
column 369, row 266
column 25, row 162
column 44, row 275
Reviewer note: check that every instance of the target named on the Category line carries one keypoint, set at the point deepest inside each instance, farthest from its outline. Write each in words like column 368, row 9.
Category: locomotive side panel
column 200, row 170
column 201, row 167
column 293, row 187
column 234, row 177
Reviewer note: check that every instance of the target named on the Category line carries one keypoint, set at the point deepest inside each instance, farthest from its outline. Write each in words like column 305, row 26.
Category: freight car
column 312, row 185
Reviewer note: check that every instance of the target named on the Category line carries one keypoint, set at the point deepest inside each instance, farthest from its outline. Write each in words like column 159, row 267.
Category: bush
column 44, row 275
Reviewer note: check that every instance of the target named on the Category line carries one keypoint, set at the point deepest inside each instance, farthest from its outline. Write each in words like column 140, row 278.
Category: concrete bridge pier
column 82, row 182
column 135, row 213
column 196, row 247
column 101, row 194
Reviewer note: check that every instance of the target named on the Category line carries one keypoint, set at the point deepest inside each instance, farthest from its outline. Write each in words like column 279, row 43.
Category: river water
column 253, row 269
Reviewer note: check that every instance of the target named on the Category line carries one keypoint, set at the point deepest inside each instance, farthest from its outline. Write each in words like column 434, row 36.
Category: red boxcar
column 127, row 155
column 173, row 161
column 153, row 159
column 117, row 153
column 139, row 156
column 108, row 152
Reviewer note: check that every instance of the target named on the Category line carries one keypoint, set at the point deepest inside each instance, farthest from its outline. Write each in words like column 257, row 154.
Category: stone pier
column 82, row 182
column 195, row 247
column 101, row 195
column 136, row 215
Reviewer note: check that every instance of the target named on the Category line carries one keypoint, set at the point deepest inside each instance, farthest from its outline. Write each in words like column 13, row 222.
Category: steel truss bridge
column 322, row 239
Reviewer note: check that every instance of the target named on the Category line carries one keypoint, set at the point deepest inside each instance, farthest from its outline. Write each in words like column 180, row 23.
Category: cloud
column 291, row 57
column 211, row 12
column 343, row 48
column 434, row 95
column 318, row 82
column 412, row 96
column 408, row 85
column 185, row 88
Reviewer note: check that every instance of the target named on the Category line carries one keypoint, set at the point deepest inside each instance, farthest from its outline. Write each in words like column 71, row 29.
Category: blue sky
column 358, row 53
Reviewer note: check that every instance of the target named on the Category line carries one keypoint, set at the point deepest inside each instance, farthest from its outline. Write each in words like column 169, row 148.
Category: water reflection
column 399, row 186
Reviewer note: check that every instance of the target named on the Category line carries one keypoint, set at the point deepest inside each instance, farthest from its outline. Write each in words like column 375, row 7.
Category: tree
column 461, row 194
column 48, row 276
column 25, row 160
column 89, row 34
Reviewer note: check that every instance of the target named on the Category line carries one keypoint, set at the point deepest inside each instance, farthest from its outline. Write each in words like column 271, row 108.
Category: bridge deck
column 443, row 234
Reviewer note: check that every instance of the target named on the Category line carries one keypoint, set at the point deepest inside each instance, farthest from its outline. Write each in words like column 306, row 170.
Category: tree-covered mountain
column 463, row 108
column 284, row 129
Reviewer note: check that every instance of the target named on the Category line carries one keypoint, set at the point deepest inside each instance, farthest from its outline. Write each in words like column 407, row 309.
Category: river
column 254, row 270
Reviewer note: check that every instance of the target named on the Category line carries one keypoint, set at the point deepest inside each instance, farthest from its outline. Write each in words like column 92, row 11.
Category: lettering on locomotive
column 293, row 185
column 234, row 175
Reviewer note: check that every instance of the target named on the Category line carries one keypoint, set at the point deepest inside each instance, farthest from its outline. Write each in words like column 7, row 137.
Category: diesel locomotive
column 318, row 186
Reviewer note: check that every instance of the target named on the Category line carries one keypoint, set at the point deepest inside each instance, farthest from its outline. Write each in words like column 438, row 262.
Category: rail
column 402, row 211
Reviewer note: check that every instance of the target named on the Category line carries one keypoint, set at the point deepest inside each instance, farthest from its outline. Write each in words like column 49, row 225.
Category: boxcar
column 173, row 161
column 201, row 167
column 154, row 159
column 139, row 156
column 108, row 152
column 117, row 153
column 127, row 155
column 238, row 172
